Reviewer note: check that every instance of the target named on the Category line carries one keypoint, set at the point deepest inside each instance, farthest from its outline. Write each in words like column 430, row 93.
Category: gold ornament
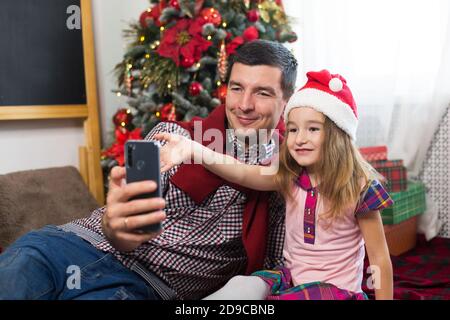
column 279, row 18
column 222, row 65
column 269, row 10
column 128, row 78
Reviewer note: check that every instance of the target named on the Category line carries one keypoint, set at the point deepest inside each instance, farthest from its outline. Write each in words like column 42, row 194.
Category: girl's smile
column 302, row 151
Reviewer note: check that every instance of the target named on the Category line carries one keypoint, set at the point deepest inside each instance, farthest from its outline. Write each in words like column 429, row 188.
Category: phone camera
column 130, row 155
column 140, row 164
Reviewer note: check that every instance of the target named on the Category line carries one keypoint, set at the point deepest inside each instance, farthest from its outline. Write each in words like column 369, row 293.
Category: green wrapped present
column 407, row 204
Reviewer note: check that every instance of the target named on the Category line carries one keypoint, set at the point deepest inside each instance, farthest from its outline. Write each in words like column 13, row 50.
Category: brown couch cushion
column 31, row 199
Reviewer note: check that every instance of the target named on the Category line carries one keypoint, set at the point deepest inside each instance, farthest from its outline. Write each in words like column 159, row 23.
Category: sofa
column 34, row 198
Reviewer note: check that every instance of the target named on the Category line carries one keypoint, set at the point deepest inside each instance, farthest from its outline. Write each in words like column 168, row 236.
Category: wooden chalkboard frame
column 89, row 155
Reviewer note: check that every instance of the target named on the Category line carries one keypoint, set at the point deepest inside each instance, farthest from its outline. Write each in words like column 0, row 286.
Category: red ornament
column 253, row 15
column 122, row 118
column 151, row 14
column 174, row 4
column 293, row 37
column 187, row 62
column 250, row 34
column 221, row 92
column 211, row 15
column 195, row 88
column 145, row 17
column 168, row 112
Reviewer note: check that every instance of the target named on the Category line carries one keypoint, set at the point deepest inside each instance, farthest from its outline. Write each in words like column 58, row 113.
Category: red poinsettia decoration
column 116, row 151
column 184, row 40
column 233, row 45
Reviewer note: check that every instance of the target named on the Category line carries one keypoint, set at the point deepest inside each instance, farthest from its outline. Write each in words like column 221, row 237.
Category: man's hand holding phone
column 124, row 216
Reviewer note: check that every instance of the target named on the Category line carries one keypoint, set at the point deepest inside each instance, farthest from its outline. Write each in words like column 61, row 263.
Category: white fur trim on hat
column 335, row 109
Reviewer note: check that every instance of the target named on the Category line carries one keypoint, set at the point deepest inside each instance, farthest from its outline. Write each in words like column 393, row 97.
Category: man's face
column 254, row 98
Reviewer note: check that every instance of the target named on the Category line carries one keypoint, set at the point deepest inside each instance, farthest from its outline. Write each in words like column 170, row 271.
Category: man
column 211, row 230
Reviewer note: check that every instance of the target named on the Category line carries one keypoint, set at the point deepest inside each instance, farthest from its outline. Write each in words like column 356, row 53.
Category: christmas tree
column 176, row 64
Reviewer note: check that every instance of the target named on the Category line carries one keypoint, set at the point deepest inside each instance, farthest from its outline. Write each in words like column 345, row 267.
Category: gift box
column 401, row 237
column 394, row 172
column 375, row 153
column 407, row 204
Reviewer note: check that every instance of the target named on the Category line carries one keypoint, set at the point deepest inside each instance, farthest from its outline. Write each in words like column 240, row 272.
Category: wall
column 39, row 144
column 111, row 17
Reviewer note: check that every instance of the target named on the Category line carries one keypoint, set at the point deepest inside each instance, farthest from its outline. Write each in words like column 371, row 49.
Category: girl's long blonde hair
column 341, row 171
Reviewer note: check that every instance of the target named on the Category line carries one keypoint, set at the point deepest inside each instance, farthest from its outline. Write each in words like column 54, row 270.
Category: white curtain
column 395, row 56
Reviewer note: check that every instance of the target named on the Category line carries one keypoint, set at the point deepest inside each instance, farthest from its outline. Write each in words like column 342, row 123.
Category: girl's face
column 305, row 135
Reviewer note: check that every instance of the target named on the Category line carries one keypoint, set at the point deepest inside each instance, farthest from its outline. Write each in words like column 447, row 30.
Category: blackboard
column 41, row 59
column 47, row 71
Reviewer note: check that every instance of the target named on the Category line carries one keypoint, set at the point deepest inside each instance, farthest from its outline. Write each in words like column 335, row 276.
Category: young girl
column 333, row 198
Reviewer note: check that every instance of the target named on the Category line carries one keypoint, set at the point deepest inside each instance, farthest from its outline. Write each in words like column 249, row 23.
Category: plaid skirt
column 281, row 288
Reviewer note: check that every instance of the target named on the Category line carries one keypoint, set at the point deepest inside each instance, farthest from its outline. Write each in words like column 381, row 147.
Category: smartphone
column 142, row 164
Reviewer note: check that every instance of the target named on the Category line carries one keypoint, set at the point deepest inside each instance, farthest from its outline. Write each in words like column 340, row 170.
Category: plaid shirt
column 201, row 246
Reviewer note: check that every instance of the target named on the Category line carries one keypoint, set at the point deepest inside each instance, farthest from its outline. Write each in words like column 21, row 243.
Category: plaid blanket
column 422, row 273
column 280, row 283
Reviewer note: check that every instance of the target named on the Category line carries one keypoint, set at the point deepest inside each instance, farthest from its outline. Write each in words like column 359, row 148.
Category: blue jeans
column 52, row 264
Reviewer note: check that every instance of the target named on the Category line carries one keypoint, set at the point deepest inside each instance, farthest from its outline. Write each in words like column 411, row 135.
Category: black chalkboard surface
column 41, row 58
column 47, row 71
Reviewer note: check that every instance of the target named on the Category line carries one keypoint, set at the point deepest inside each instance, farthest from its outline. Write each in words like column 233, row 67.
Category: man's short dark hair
column 269, row 53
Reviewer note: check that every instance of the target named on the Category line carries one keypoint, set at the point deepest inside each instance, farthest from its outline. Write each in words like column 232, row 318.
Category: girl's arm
column 372, row 230
column 179, row 149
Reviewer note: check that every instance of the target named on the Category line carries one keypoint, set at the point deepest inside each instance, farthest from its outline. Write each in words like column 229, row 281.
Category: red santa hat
column 329, row 94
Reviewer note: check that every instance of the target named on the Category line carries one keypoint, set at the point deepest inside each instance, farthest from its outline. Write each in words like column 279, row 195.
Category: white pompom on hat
column 329, row 94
